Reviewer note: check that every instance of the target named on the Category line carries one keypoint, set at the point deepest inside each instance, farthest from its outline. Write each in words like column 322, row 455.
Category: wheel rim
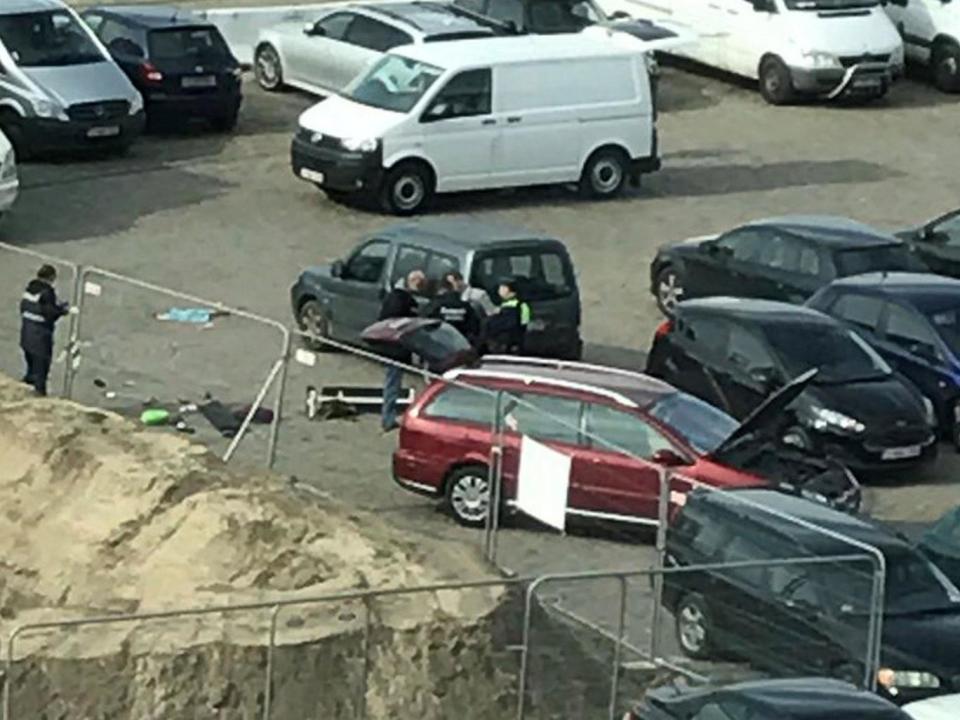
column 692, row 630
column 313, row 321
column 772, row 83
column 606, row 175
column 268, row 67
column 408, row 192
column 470, row 497
column 669, row 291
column 948, row 67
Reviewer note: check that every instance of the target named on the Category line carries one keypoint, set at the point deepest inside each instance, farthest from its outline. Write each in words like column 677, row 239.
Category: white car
column 931, row 35
column 325, row 55
column 9, row 183
column 944, row 707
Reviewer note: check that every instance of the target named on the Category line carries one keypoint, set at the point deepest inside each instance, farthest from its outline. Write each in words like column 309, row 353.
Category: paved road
column 222, row 217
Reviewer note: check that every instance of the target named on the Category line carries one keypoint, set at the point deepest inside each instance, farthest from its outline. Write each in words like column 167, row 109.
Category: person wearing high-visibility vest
column 507, row 329
column 39, row 311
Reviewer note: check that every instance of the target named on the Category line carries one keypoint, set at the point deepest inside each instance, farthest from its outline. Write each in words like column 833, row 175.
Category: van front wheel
column 605, row 174
column 776, row 85
column 407, row 189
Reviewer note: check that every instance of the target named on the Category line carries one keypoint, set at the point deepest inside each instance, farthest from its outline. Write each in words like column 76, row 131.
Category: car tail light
column 663, row 329
column 150, row 73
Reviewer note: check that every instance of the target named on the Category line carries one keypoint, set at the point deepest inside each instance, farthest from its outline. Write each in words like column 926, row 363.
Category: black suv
column 734, row 352
column 179, row 63
column 808, row 618
column 785, row 258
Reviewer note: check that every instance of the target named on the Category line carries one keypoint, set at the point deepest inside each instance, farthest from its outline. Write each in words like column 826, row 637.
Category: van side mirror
column 336, row 270
column 620, row 15
column 762, row 5
column 313, row 29
column 669, row 458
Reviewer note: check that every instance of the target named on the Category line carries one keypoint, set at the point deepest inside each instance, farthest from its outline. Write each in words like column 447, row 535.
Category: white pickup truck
column 931, row 35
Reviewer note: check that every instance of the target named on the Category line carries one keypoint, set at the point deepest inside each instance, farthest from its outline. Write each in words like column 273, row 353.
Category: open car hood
column 438, row 344
column 765, row 416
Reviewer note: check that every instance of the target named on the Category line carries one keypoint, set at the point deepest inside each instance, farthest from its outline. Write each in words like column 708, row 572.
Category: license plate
column 311, row 175
column 201, row 81
column 102, row 132
column 899, row 453
column 865, row 82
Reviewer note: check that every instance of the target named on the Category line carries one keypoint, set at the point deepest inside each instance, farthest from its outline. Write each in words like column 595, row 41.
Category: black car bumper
column 333, row 168
column 193, row 105
column 864, row 81
column 45, row 136
column 878, row 456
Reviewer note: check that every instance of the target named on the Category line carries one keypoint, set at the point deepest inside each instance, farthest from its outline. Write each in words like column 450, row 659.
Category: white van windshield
column 394, row 83
column 829, row 4
column 47, row 39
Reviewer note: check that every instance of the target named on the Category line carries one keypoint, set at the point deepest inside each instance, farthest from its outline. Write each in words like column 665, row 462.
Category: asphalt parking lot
column 222, row 217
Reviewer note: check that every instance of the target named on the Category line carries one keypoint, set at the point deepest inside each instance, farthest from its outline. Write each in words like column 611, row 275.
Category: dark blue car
column 913, row 321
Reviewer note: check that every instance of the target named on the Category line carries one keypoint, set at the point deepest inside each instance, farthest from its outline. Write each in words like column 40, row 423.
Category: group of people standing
column 488, row 327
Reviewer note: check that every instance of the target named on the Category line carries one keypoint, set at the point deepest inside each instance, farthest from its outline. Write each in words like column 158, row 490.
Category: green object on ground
column 154, row 416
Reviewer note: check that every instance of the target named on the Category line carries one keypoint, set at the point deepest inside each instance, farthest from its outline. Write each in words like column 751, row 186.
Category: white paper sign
column 543, row 482
column 91, row 288
column 305, row 357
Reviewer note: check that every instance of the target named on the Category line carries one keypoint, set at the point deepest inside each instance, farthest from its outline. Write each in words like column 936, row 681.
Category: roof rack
column 496, row 375
column 562, row 365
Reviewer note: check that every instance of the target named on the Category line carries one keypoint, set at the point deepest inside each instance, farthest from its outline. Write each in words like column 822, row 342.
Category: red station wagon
column 445, row 440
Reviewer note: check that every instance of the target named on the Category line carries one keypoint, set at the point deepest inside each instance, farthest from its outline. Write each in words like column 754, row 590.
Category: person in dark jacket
column 450, row 307
column 399, row 303
column 506, row 330
column 39, row 312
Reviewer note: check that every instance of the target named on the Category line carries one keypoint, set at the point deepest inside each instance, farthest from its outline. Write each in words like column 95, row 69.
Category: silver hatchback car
column 59, row 88
column 325, row 55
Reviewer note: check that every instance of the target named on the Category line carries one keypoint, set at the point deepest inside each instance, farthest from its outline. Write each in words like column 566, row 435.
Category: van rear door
column 547, row 283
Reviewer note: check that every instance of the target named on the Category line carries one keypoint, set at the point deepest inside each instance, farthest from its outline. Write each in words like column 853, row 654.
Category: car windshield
column 839, row 355
column 47, row 39
column 561, row 16
column 829, row 4
column 947, row 324
column 703, row 426
column 394, row 83
column 187, row 43
column 874, row 259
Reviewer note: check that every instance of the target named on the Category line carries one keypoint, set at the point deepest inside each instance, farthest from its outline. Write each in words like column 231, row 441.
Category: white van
column 815, row 48
column 9, row 182
column 490, row 113
column 931, row 35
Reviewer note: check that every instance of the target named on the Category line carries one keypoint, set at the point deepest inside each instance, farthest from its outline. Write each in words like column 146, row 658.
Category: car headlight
column 896, row 57
column 818, row 60
column 9, row 168
column 48, row 109
column 823, row 419
column 928, row 411
column 360, row 144
column 893, row 680
column 136, row 104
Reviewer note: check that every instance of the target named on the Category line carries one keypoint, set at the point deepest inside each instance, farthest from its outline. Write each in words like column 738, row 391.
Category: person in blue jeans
column 399, row 303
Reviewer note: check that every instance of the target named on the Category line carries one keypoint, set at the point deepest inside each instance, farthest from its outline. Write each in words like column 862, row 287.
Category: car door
column 909, row 343
column 615, row 473
column 728, row 265
column 356, row 296
column 914, row 20
column 459, row 132
column 695, row 355
column 750, row 32
column 320, row 56
column 127, row 46
column 749, row 370
column 791, row 268
column 938, row 245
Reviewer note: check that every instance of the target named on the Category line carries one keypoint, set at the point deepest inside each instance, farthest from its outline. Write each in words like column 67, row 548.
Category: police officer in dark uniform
column 507, row 329
column 39, row 312
column 449, row 306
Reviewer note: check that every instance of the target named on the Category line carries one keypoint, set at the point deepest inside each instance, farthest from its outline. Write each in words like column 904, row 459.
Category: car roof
column 506, row 50
column 743, row 503
column 789, row 699
column 460, row 233
column 151, row 16
column 754, row 310
column 925, row 291
column 838, row 232
column 9, row 7
column 430, row 18
column 637, row 389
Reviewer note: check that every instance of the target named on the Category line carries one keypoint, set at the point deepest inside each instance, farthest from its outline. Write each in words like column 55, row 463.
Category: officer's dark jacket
column 452, row 309
column 39, row 312
column 398, row 303
column 507, row 329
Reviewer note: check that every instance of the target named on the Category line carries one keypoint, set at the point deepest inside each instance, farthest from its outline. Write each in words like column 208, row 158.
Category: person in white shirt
column 477, row 297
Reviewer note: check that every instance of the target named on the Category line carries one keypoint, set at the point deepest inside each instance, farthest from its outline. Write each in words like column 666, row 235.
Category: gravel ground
column 222, row 217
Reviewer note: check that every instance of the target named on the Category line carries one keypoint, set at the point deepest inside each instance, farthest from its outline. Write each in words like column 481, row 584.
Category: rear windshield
column 874, row 259
column 703, row 426
column 47, row 39
column 190, row 43
column 541, row 274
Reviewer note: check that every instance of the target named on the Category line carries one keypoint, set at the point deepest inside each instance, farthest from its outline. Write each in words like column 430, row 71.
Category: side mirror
column 336, row 270
column 312, row 29
column 709, row 247
column 768, row 377
column 669, row 458
column 761, row 5
column 620, row 15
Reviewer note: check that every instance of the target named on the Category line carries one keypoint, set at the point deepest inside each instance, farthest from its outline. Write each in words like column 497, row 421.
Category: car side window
column 477, row 6
column 948, row 231
column 439, row 265
column 460, row 404
column 94, row 21
column 907, row 329
column 120, row 39
column 708, row 537
column 467, row 94
column 860, row 310
column 408, row 259
column 747, row 352
column 335, row 26
column 509, row 12
column 744, row 245
column 809, row 261
column 550, row 418
column 781, row 253
column 367, row 264
column 375, row 35
column 612, row 430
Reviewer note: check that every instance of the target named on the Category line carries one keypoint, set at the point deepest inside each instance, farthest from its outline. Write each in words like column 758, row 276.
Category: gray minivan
column 341, row 299
column 59, row 88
